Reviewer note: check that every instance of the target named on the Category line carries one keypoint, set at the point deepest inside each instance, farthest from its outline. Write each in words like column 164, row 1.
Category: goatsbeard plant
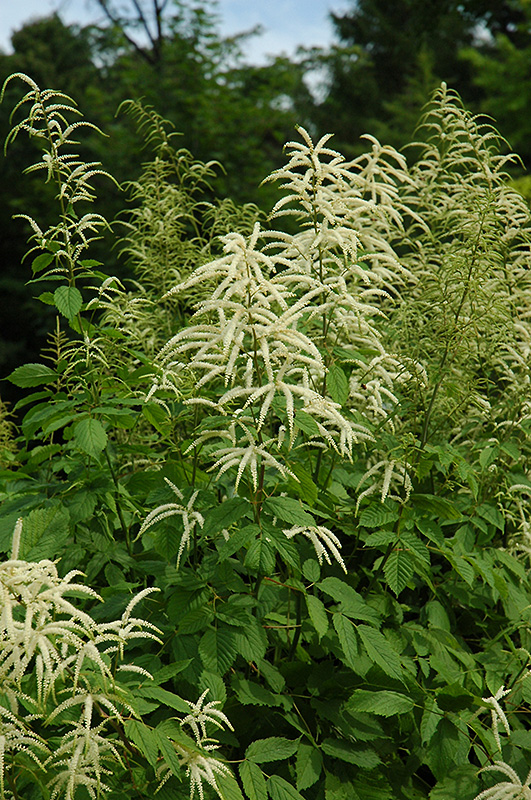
column 309, row 433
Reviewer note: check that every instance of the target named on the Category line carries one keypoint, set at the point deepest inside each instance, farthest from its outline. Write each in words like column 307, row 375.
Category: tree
column 390, row 51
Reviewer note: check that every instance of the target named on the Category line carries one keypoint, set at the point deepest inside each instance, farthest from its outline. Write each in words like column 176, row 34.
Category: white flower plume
column 324, row 541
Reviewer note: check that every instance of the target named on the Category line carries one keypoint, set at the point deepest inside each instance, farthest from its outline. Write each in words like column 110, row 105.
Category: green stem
column 298, row 618
column 125, row 529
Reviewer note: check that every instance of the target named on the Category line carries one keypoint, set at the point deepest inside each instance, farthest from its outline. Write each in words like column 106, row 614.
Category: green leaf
column 398, row 569
column 463, row 567
column 168, row 752
column 449, row 748
column 275, row 748
column 225, row 514
column 461, row 782
column 317, row 613
column 279, row 789
column 311, row 570
column 41, row 262
column 253, row 781
column 68, row 301
column 218, row 650
column 381, row 538
column 442, row 508
column 252, row 643
column 492, row 514
column 337, row 384
column 306, row 423
column 32, row 375
column 143, row 738
column 228, row 789
column 431, row 717
column 216, row 686
column 347, row 639
column 308, row 766
column 352, row 603
column 286, row 548
column 238, row 539
column 288, row 510
column 261, row 556
column 304, row 486
column 380, row 651
column 90, row 436
column 362, row 756
column 409, row 541
column 44, row 533
column 250, row 693
column 376, row 515
column 455, row 698
column 164, row 698
column 157, row 416
column 385, row 703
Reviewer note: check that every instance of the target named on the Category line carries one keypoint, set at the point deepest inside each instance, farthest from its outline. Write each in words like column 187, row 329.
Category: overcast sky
column 286, row 23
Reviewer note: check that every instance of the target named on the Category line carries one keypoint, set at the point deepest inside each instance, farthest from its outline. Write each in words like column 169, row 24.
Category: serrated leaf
column 442, row 508
column 380, row 651
column 308, row 766
column 318, row 615
column 225, row 514
column 216, row 686
column 288, row 510
column 286, row 548
column 32, row 375
column 238, row 539
column 218, row 650
column 261, row 556
column 385, row 703
column 250, row 693
column 431, row 717
column 44, row 533
column 274, row 748
column 251, row 644
column 228, row 789
column 163, row 697
column 41, row 262
column 156, row 416
column 304, row 486
column 380, row 538
column 143, row 738
column 362, row 756
column 306, row 423
column 492, row 514
column 311, row 570
column 90, row 436
column 347, row 639
column 272, row 675
column 463, row 567
column 253, row 781
column 376, row 515
column 461, row 782
column 409, row 541
column 337, row 384
column 398, row 569
column 168, row 752
column 352, row 603
column 280, row 789
column 68, row 301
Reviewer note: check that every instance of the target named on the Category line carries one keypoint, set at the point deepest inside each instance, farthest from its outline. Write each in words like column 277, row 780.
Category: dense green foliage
column 299, row 448
column 385, row 62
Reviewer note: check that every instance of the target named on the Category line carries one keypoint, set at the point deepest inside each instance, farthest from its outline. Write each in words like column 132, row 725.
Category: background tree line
column 375, row 78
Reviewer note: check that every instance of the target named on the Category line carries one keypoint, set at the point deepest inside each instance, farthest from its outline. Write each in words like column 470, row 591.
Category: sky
column 286, row 23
